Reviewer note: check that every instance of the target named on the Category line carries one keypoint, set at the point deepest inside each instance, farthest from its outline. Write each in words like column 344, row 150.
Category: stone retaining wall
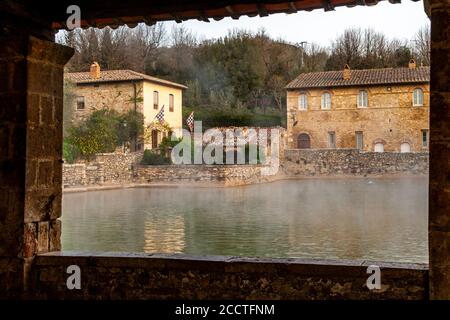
column 227, row 175
column 178, row 276
column 106, row 168
column 74, row 175
column 120, row 168
column 335, row 162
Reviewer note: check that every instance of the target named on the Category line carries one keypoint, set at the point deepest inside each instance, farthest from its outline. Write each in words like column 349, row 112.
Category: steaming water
column 379, row 219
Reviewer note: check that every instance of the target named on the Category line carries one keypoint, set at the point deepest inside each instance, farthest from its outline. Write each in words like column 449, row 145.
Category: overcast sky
column 395, row 20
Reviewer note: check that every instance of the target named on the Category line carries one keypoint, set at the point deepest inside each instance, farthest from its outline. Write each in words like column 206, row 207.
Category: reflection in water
column 165, row 235
column 380, row 219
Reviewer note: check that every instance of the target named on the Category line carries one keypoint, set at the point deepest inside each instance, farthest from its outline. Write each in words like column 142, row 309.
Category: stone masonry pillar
column 31, row 110
column 439, row 192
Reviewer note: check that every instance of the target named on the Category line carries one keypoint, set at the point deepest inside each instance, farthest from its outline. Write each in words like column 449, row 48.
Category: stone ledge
column 121, row 257
column 111, row 275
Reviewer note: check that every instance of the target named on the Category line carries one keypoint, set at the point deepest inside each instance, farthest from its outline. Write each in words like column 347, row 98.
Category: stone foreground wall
column 335, row 162
column 178, row 276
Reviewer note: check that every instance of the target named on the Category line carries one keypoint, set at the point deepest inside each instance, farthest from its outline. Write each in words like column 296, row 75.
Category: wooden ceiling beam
column 176, row 17
column 328, row 5
column 292, row 7
column 371, row 2
column 262, row 11
column 202, row 16
column 149, row 21
column 231, row 12
column 133, row 11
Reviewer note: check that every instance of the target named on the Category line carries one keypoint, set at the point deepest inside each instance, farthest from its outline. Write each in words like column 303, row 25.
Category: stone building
column 371, row 110
column 124, row 90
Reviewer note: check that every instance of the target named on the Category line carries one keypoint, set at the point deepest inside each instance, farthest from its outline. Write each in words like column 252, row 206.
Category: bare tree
column 143, row 43
column 347, row 49
column 114, row 49
column 182, row 37
column 421, row 47
column 315, row 58
column 375, row 50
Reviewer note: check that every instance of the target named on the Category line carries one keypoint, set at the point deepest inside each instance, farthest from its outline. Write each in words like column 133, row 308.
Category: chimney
column 346, row 75
column 95, row 70
column 412, row 64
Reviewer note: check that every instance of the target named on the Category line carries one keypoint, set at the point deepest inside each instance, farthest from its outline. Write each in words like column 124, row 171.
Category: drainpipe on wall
column 135, row 111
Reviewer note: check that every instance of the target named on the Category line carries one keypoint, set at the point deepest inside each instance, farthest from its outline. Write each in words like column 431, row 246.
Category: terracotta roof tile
column 361, row 78
column 118, row 76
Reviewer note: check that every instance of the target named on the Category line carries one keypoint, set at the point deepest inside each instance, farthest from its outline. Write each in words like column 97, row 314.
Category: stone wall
column 121, row 168
column 117, row 167
column 31, row 104
column 227, row 175
column 439, row 191
column 328, row 162
column 74, row 174
column 177, row 276
column 110, row 95
column 106, row 168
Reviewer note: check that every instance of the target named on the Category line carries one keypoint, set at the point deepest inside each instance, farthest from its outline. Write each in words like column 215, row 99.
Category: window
column 171, row 102
column 425, row 138
column 326, row 101
column 418, row 97
column 405, row 147
column 302, row 102
column 363, row 100
column 359, row 140
column 80, row 103
column 155, row 99
column 379, row 147
column 331, row 140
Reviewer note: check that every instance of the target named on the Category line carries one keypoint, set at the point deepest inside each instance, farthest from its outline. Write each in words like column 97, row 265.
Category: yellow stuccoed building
column 124, row 90
column 371, row 110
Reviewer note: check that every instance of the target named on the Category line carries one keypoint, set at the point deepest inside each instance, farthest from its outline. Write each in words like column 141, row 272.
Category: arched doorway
column 303, row 141
column 379, row 147
column 405, row 147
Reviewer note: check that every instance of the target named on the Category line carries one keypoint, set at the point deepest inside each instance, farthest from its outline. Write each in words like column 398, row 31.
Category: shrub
column 70, row 152
column 103, row 131
column 129, row 126
column 152, row 158
column 212, row 118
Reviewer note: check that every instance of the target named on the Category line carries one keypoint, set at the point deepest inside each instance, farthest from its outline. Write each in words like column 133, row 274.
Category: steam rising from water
column 377, row 219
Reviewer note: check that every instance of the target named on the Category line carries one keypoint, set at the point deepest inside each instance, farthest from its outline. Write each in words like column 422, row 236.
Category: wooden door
column 154, row 139
column 303, row 141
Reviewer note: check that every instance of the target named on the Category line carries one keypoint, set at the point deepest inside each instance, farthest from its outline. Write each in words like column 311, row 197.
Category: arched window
column 171, row 103
column 303, row 141
column 326, row 101
column 405, row 147
column 302, row 102
column 363, row 99
column 378, row 147
column 418, row 97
